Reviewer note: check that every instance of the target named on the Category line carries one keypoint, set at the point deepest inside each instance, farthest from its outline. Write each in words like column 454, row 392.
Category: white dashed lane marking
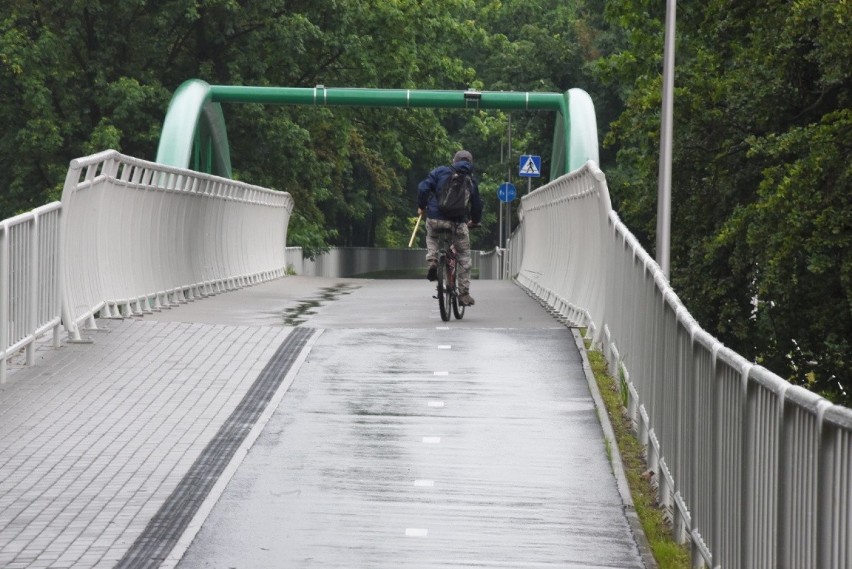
column 416, row 532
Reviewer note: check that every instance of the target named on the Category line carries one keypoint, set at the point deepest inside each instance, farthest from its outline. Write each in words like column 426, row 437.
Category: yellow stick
column 413, row 233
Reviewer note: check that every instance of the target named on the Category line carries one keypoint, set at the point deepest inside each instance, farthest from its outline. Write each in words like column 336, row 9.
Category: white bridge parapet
column 138, row 236
column 755, row 471
column 29, row 281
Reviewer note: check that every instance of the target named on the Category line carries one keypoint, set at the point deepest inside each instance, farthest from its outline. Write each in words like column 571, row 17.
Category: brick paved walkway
column 95, row 438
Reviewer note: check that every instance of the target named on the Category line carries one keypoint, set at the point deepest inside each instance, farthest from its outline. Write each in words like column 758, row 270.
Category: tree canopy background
column 762, row 220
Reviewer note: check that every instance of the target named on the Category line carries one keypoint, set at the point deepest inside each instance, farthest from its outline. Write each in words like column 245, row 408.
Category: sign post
column 508, row 204
column 506, row 193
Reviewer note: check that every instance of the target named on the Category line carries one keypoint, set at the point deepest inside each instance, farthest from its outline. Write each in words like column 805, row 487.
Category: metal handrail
column 29, row 281
column 755, row 471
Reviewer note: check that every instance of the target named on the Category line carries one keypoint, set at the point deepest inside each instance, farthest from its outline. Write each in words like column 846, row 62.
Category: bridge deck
column 217, row 434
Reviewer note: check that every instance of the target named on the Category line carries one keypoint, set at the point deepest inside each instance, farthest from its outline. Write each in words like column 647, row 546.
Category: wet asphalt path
column 404, row 441
column 311, row 422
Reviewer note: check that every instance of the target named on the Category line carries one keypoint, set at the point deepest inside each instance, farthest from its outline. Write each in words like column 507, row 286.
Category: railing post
column 67, row 310
column 747, row 468
column 4, row 298
column 57, row 274
column 784, row 513
column 32, row 281
column 826, row 531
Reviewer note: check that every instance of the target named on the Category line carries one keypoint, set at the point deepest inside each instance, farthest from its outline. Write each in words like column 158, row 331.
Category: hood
column 463, row 166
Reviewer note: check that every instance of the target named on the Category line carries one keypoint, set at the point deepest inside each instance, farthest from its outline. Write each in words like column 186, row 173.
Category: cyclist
column 427, row 203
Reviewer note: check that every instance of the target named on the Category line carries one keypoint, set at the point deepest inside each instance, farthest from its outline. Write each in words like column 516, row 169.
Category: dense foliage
column 762, row 216
column 762, row 208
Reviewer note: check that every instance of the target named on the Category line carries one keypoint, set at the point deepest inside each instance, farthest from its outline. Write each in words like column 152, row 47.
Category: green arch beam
column 194, row 134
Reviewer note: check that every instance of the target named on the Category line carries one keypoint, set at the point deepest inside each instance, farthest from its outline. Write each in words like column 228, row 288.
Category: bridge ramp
column 312, row 423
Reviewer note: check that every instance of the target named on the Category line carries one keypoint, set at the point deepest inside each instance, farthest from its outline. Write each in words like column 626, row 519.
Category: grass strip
column 668, row 553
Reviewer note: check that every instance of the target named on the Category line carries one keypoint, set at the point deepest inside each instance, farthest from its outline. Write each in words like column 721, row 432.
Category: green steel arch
column 194, row 134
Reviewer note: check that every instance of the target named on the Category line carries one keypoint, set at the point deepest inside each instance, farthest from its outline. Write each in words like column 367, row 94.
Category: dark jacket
column 427, row 192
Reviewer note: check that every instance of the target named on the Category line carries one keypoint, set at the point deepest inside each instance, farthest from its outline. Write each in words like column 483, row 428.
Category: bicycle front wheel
column 443, row 292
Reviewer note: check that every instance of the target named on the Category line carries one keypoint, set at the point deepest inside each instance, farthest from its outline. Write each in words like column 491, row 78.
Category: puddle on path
column 299, row 314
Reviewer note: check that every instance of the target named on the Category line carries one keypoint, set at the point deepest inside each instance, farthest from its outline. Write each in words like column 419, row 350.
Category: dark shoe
column 432, row 275
column 466, row 300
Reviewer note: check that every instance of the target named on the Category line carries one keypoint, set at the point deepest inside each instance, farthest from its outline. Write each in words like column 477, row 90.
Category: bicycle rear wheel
column 443, row 291
column 458, row 308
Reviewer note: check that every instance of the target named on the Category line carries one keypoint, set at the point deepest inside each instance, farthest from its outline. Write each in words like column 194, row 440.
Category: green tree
column 761, row 155
column 81, row 77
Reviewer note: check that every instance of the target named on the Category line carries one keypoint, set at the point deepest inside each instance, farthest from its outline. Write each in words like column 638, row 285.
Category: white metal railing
column 491, row 264
column 29, row 281
column 139, row 235
column 755, row 471
column 513, row 251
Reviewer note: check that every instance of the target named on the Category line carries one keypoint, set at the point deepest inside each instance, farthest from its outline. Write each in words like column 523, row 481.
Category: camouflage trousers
column 461, row 242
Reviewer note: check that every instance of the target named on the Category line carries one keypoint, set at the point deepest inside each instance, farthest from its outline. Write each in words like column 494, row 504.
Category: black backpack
column 455, row 195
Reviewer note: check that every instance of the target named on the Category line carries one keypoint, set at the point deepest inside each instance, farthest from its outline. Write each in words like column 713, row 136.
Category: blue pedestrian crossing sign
column 530, row 166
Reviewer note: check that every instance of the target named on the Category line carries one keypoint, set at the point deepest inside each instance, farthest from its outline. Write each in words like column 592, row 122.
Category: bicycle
column 447, row 289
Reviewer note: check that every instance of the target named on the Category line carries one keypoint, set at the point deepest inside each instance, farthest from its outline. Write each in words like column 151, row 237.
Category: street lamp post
column 664, row 192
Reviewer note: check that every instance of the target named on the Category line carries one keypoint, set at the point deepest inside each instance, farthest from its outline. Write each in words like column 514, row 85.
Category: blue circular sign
column 506, row 192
